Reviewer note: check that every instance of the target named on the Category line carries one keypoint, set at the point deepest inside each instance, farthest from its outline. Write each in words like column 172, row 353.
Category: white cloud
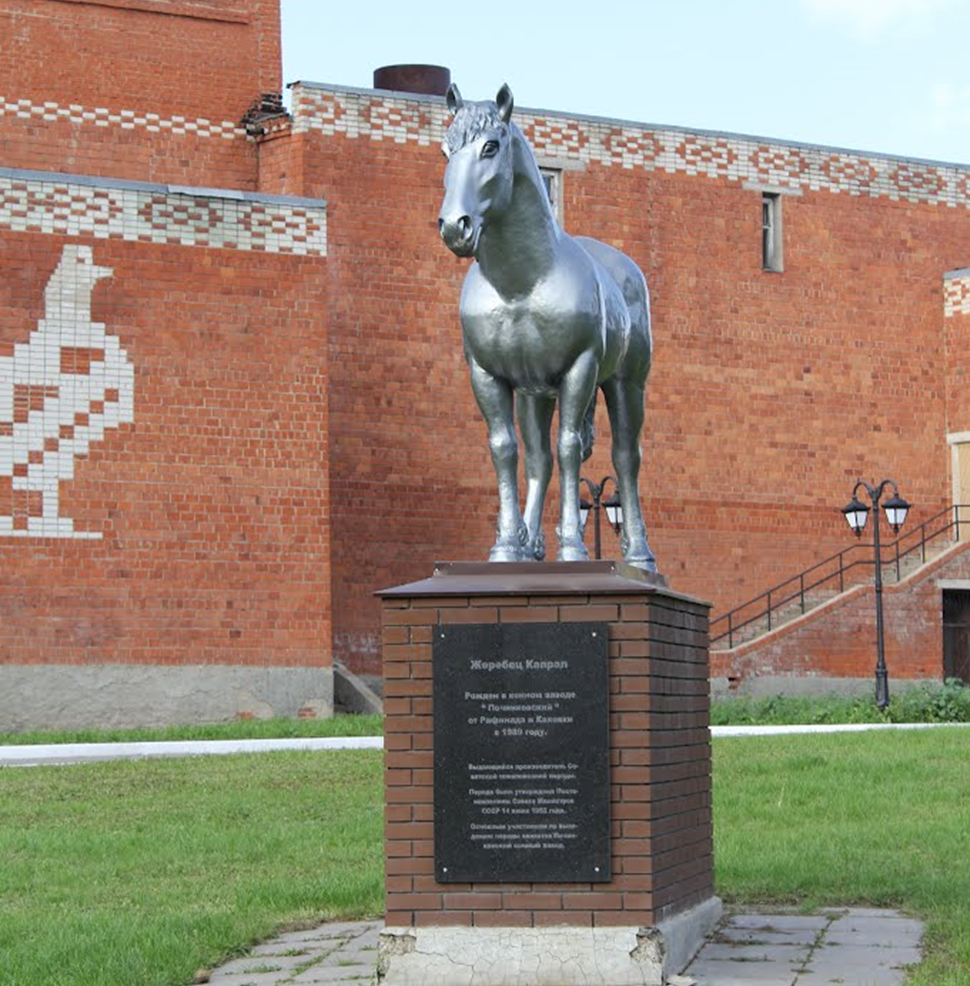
column 871, row 18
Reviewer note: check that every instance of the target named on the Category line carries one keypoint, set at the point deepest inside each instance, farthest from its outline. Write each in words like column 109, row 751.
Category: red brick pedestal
column 651, row 916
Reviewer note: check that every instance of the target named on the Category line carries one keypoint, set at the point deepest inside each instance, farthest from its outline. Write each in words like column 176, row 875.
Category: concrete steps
column 760, row 624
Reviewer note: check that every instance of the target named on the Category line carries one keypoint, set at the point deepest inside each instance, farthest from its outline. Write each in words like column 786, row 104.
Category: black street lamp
column 614, row 509
column 856, row 513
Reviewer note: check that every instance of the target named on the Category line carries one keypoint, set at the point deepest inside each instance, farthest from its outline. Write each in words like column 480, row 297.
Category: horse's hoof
column 637, row 552
column 647, row 564
column 515, row 548
column 573, row 550
column 537, row 548
column 640, row 556
column 508, row 552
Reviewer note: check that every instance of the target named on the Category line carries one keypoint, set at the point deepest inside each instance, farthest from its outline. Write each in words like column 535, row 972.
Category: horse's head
column 479, row 175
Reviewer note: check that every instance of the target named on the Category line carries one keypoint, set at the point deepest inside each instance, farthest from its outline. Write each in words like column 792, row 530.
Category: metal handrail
column 786, row 592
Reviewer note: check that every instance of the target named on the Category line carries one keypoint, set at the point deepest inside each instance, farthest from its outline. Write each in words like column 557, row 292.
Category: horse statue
column 544, row 315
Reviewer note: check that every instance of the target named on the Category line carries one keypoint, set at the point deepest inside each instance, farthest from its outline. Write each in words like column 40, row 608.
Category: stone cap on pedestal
column 535, row 578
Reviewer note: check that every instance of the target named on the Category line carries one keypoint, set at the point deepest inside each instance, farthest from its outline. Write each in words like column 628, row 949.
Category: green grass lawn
column 142, row 873
column 926, row 702
column 875, row 818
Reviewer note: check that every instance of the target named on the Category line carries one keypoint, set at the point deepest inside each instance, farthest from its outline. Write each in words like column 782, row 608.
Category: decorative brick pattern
column 718, row 156
column 776, row 165
column 52, row 112
column 160, row 214
column 848, row 172
column 632, row 148
column 58, row 393
column 956, row 295
column 660, row 765
column 395, row 122
column 555, row 136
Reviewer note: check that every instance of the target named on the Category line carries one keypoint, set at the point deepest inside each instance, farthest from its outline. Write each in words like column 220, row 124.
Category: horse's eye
column 490, row 148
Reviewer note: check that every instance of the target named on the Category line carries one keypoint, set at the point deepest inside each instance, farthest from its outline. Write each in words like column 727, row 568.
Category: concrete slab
column 791, row 955
column 871, row 930
column 329, row 975
column 260, row 965
column 346, row 929
column 862, row 957
column 726, row 973
column 247, row 979
column 779, row 922
column 858, row 966
column 757, row 936
column 848, row 947
column 280, row 947
column 858, row 978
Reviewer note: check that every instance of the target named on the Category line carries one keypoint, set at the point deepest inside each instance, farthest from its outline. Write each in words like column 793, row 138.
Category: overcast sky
column 890, row 76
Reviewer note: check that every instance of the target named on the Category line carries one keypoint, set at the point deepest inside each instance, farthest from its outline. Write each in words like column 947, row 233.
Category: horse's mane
column 470, row 122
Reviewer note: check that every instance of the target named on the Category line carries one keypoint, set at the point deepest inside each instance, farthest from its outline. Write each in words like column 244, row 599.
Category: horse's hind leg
column 625, row 403
column 496, row 402
column 535, row 420
column 575, row 394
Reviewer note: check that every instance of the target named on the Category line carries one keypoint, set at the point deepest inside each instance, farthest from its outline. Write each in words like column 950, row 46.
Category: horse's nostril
column 457, row 233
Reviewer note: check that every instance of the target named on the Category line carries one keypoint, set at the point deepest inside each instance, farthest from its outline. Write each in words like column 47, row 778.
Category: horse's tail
column 588, row 431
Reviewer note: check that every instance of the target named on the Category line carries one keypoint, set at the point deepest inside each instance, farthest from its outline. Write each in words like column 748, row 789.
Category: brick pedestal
column 653, row 913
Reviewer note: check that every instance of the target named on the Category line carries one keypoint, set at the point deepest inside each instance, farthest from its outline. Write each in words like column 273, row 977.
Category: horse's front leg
column 535, row 420
column 496, row 401
column 575, row 393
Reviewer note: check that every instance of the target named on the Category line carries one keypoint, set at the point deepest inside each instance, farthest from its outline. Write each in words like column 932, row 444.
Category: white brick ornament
column 154, row 214
column 59, row 392
column 26, row 109
column 956, row 295
column 362, row 113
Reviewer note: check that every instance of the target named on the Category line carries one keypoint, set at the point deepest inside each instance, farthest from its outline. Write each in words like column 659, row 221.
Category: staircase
column 827, row 579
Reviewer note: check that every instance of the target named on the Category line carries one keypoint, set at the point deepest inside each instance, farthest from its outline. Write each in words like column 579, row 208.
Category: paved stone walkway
column 844, row 947
column 834, row 947
column 333, row 953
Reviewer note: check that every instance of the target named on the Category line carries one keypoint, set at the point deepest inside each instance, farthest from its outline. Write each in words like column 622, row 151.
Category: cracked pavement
column 831, row 947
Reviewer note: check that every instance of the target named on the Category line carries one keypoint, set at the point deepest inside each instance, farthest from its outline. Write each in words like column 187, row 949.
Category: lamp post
column 614, row 509
column 856, row 513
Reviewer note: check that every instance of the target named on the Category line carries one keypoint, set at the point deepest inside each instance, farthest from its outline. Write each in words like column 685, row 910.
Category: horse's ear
column 505, row 102
column 453, row 99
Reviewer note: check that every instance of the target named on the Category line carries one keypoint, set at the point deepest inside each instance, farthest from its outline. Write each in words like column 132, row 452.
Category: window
column 771, row 240
column 552, row 178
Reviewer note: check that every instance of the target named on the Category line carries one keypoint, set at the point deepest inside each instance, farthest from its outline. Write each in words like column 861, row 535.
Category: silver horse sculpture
column 544, row 315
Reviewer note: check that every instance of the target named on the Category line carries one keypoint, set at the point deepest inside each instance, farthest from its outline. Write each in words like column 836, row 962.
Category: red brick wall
column 771, row 393
column 661, row 835
column 208, row 513
column 146, row 89
column 956, row 304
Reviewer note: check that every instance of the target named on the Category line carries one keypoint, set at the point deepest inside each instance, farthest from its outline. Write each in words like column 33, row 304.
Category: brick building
column 233, row 402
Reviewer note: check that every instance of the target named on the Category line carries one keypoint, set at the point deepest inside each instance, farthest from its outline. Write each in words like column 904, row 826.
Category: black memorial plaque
column 521, row 753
